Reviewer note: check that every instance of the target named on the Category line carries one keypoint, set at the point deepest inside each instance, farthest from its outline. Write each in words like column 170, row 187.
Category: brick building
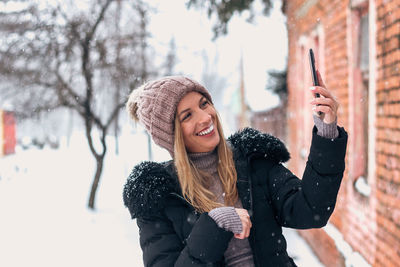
column 272, row 121
column 7, row 133
column 357, row 45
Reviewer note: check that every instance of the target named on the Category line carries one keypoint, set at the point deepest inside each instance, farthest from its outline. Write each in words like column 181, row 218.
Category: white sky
column 263, row 45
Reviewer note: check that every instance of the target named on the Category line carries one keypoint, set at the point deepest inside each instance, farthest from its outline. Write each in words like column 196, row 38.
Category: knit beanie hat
column 154, row 105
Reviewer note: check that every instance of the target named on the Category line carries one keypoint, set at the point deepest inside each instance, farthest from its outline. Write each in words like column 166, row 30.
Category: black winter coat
column 172, row 233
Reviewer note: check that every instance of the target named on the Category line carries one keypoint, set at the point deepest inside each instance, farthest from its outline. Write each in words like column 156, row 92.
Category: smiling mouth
column 206, row 131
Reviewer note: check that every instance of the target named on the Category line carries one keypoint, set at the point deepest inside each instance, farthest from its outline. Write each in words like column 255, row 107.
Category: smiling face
column 198, row 122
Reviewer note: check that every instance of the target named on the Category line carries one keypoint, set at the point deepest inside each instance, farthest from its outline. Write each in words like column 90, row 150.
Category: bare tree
column 171, row 58
column 85, row 59
column 212, row 81
column 277, row 83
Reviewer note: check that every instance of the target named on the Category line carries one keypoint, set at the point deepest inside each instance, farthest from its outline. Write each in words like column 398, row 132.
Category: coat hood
column 150, row 183
column 250, row 141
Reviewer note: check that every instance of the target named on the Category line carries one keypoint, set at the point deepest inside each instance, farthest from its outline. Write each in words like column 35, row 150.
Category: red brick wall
column 9, row 141
column 371, row 225
column 388, row 133
column 7, row 133
column 272, row 121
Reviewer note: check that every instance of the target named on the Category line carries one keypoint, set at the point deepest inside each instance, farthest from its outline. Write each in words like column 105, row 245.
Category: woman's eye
column 204, row 103
column 187, row 115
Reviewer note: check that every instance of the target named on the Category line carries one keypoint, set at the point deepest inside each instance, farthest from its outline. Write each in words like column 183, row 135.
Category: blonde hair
column 194, row 182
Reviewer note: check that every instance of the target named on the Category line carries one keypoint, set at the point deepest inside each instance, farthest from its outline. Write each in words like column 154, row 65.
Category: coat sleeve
column 162, row 247
column 309, row 202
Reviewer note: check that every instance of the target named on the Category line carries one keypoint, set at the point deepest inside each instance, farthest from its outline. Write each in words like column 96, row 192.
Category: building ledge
column 352, row 258
column 361, row 185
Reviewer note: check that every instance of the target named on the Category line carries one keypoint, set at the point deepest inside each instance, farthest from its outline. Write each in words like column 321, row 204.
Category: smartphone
column 313, row 70
column 314, row 73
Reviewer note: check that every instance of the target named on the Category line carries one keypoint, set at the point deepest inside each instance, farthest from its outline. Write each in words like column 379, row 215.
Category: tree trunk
column 70, row 126
column 96, row 180
column 149, row 147
column 116, row 144
column 99, row 159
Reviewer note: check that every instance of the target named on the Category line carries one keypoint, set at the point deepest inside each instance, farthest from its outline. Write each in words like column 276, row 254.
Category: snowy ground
column 43, row 216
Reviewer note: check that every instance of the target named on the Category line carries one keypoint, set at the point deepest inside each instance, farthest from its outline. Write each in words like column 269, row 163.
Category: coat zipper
column 251, row 203
column 251, row 207
column 180, row 197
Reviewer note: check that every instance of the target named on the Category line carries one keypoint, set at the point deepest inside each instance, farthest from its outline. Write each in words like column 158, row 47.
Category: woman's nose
column 205, row 117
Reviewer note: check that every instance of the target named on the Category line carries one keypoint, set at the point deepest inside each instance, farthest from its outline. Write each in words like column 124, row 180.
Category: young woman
column 224, row 202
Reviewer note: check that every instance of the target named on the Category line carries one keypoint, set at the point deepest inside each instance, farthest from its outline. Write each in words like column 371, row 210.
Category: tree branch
column 114, row 114
column 87, row 72
column 89, row 36
column 67, row 88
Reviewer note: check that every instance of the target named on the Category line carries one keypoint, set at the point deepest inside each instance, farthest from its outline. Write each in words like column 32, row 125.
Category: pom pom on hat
column 132, row 104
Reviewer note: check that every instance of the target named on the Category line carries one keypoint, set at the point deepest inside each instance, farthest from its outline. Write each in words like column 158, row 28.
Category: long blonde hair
column 194, row 182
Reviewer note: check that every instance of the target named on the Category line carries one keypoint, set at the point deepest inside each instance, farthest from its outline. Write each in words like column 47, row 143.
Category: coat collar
column 147, row 188
column 150, row 183
column 250, row 141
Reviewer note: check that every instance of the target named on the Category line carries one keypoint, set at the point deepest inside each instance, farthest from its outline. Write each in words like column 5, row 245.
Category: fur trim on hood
column 150, row 183
column 147, row 187
column 249, row 141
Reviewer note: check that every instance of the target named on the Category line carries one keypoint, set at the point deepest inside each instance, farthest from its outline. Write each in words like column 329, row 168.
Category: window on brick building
column 364, row 46
column 360, row 99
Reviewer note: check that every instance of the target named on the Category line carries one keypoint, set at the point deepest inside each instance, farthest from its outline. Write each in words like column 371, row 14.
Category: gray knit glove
column 326, row 130
column 227, row 218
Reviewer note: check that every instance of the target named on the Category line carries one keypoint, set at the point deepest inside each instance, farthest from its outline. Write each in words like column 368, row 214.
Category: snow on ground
column 299, row 250
column 44, row 220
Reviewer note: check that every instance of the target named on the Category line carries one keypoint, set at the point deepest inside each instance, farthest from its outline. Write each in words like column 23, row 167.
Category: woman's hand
column 326, row 103
column 246, row 223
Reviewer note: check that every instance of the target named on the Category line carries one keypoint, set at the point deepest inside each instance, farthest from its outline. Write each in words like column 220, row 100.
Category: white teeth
column 209, row 130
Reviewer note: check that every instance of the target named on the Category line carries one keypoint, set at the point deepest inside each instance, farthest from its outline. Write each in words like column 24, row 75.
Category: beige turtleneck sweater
column 239, row 251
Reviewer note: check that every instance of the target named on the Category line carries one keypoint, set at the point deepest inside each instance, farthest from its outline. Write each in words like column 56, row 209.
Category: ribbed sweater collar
column 205, row 161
